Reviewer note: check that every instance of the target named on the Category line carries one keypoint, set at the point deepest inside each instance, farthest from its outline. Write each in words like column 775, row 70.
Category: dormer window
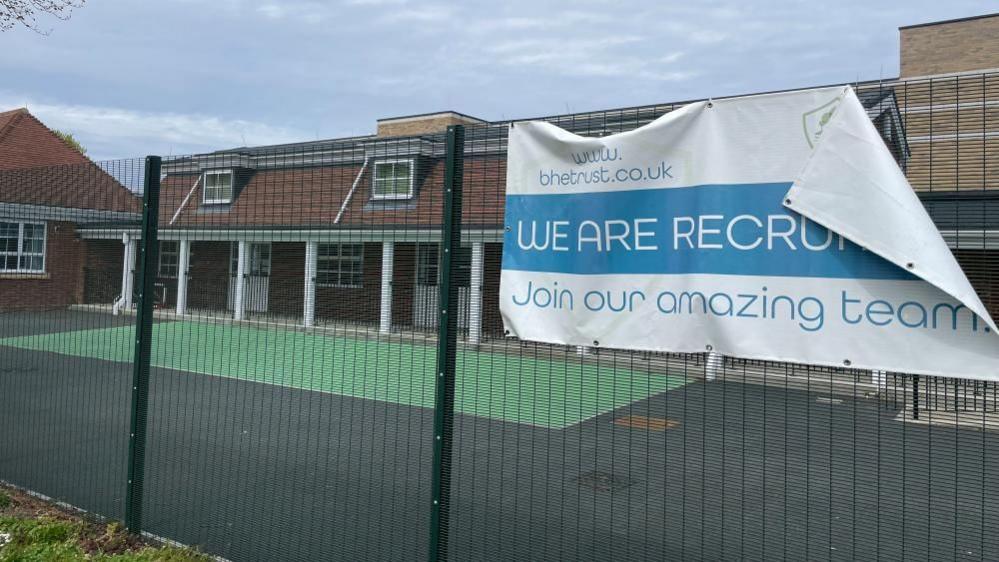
column 393, row 179
column 218, row 187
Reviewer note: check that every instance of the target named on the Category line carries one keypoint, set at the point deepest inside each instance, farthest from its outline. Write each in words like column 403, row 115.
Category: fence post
column 447, row 341
column 147, row 262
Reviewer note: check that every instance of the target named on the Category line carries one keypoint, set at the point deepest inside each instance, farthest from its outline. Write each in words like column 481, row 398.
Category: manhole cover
column 15, row 370
column 647, row 423
column 603, row 481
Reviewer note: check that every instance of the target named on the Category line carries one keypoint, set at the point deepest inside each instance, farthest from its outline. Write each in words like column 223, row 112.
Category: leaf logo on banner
column 815, row 121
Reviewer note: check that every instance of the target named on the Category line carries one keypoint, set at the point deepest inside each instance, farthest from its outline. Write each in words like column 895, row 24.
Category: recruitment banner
column 773, row 227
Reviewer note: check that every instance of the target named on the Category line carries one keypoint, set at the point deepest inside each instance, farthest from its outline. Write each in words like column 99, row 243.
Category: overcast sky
column 130, row 78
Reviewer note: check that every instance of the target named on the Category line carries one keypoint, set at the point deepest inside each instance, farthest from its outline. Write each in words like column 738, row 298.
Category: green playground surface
column 546, row 392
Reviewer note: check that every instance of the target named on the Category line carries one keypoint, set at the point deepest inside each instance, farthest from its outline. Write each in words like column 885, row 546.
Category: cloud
column 274, row 11
column 223, row 73
column 536, row 23
column 376, row 2
column 597, row 57
column 115, row 132
column 310, row 12
column 425, row 13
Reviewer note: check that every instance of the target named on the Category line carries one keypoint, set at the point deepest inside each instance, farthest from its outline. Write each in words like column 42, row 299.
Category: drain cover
column 603, row 481
column 647, row 423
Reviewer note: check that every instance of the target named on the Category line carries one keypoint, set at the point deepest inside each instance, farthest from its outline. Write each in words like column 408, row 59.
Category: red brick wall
column 102, row 271
column 286, row 292
column 208, row 282
column 403, row 282
column 208, row 285
column 354, row 304
column 62, row 283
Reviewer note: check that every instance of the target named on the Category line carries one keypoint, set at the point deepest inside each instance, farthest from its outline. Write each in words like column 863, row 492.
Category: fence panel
column 65, row 359
column 292, row 391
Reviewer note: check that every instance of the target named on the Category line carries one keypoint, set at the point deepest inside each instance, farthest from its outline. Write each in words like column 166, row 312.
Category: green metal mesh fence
column 328, row 376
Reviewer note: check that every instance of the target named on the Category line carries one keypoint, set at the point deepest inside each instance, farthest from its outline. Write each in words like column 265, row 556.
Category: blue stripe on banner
column 720, row 229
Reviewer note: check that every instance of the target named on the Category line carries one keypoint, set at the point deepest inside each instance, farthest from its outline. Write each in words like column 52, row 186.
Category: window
column 340, row 265
column 393, row 179
column 22, row 247
column 258, row 259
column 428, row 265
column 169, row 258
column 218, row 187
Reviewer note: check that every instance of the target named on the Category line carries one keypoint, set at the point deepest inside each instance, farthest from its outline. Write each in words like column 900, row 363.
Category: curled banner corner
column 871, row 203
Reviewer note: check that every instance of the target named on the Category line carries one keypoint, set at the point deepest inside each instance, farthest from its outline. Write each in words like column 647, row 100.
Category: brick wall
column 349, row 304
column 286, row 292
column 208, row 283
column 102, row 271
column 208, row 286
column 946, row 47
column 950, row 126
column 422, row 124
column 62, row 283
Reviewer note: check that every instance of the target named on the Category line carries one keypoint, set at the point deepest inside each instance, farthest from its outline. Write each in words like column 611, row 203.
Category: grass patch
column 34, row 531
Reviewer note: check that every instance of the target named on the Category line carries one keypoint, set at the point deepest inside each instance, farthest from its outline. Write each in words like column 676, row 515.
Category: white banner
column 773, row 227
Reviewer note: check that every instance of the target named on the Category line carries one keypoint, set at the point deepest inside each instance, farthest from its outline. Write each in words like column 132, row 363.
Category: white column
column 385, row 310
column 475, row 294
column 183, row 264
column 128, row 273
column 309, row 303
column 238, row 304
column 714, row 363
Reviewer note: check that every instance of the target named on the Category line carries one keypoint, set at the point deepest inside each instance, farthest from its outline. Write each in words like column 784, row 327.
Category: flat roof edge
column 955, row 20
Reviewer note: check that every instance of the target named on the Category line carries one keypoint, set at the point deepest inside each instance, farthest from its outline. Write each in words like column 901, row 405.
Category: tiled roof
column 312, row 197
column 25, row 142
column 308, row 184
column 37, row 167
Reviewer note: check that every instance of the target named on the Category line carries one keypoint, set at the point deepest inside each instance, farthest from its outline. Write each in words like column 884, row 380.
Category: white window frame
column 20, row 253
column 339, row 271
column 175, row 253
column 393, row 196
column 204, row 187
